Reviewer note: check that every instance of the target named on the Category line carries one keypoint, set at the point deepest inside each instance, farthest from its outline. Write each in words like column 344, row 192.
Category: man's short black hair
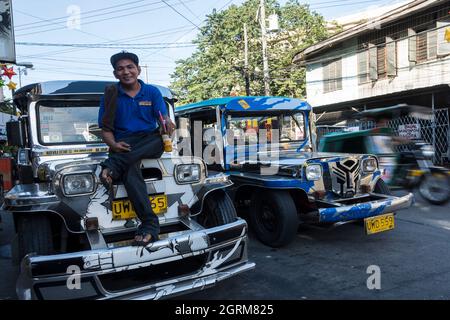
column 124, row 55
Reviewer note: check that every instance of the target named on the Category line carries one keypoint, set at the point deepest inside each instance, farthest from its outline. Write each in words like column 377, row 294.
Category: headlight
column 369, row 165
column 427, row 150
column 187, row 173
column 313, row 172
column 77, row 184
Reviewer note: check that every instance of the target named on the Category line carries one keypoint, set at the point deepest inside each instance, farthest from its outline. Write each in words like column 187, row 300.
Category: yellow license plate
column 381, row 223
column 122, row 209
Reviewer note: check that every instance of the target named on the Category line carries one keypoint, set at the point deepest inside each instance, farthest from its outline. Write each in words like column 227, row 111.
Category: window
column 391, row 57
column 426, row 45
column 363, row 67
column 443, row 38
column 60, row 124
column 380, row 145
column 332, row 75
column 373, row 62
column 290, row 127
column 381, row 61
column 378, row 62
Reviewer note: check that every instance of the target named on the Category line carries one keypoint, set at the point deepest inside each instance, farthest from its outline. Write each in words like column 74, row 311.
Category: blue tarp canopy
column 248, row 104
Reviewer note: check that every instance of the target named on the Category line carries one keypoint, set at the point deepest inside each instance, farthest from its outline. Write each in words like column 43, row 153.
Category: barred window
column 426, row 45
column 363, row 66
column 332, row 75
column 381, row 62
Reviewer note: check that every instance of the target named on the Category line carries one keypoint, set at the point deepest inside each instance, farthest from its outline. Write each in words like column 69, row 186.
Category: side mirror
column 15, row 131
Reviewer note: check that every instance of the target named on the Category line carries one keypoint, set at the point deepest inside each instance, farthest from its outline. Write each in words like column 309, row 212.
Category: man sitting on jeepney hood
column 128, row 116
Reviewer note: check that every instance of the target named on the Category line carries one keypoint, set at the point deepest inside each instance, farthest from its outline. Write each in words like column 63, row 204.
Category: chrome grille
column 345, row 177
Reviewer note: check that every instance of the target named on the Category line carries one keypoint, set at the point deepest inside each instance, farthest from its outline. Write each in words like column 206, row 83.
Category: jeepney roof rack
column 249, row 104
column 68, row 87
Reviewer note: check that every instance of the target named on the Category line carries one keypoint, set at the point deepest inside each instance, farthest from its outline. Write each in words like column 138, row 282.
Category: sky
column 160, row 30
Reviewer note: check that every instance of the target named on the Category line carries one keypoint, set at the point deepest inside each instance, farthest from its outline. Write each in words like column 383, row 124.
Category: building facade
column 404, row 50
column 402, row 56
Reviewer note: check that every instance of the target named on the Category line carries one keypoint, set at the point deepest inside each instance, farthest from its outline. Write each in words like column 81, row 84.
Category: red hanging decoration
column 9, row 72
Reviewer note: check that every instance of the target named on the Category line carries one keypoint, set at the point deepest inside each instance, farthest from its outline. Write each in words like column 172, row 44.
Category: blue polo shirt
column 138, row 114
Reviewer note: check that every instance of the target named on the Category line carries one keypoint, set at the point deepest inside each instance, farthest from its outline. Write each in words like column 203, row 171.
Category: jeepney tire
column 280, row 205
column 382, row 188
column 218, row 210
column 34, row 235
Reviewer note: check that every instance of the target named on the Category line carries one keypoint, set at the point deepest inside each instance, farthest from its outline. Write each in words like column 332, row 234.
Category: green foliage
column 217, row 66
column 7, row 107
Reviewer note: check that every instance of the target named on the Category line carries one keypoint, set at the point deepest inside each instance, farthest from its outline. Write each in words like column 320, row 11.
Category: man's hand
column 170, row 126
column 120, row 146
column 108, row 138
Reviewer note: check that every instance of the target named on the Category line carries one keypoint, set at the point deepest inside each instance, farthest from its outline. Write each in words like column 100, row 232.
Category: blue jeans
column 125, row 167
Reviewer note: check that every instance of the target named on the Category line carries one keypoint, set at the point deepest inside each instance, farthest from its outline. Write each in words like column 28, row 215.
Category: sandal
column 107, row 184
column 143, row 239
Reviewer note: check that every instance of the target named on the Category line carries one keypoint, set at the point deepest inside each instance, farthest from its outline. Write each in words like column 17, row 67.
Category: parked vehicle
column 411, row 168
column 65, row 229
column 281, row 182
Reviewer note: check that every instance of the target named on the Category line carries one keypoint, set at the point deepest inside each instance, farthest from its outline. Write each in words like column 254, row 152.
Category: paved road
column 414, row 260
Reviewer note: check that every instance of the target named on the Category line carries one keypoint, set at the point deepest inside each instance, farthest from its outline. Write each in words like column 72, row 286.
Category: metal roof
column 249, row 104
column 73, row 87
column 338, row 136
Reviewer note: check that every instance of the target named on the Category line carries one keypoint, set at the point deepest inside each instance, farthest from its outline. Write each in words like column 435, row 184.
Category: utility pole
column 146, row 73
column 262, row 22
column 22, row 69
column 247, row 78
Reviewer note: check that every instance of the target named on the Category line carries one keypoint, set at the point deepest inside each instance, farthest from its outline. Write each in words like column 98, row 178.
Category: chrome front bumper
column 385, row 204
column 187, row 262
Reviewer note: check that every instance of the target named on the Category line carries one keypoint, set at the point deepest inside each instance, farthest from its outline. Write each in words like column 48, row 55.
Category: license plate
column 381, row 223
column 122, row 209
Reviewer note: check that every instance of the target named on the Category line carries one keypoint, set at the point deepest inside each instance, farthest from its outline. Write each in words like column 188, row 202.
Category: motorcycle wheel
column 435, row 188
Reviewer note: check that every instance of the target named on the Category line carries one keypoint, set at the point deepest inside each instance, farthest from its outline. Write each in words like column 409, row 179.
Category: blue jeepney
column 265, row 144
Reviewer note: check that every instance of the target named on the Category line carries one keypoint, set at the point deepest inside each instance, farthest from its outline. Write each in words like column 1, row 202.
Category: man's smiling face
column 127, row 72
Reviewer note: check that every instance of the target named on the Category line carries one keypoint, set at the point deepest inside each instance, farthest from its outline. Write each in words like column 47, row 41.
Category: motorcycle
column 415, row 169
column 411, row 168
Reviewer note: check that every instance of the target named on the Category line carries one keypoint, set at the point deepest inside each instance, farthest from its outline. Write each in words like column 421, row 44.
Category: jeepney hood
column 342, row 174
column 47, row 161
column 300, row 158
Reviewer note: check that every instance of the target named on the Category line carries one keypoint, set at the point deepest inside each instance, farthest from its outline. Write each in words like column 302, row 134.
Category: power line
column 154, row 34
column 86, row 15
column 110, row 46
column 189, row 9
column 167, row 4
column 85, row 32
column 80, row 59
column 65, row 17
column 100, row 20
column 226, row 4
column 343, row 4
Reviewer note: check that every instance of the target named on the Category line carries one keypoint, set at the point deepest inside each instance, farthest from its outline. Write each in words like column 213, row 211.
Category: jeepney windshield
column 380, row 144
column 65, row 124
column 290, row 127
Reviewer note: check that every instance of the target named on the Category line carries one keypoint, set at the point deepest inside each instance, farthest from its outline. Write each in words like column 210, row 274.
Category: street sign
column 411, row 130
